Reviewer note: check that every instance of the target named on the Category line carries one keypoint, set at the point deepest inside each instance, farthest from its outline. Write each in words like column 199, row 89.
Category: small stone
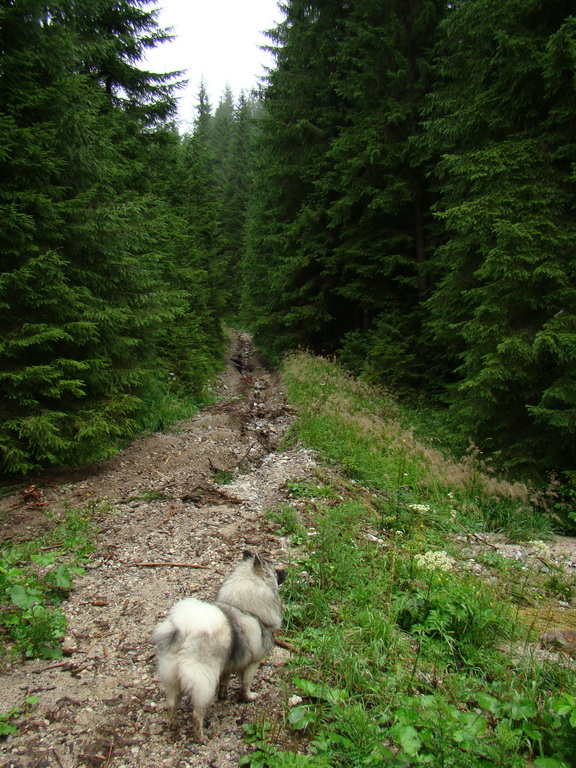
column 69, row 646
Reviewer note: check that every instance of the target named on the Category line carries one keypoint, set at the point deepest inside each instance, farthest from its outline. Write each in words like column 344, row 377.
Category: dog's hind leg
column 168, row 674
column 173, row 696
column 223, row 687
column 199, row 682
column 198, row 725
column 247, row 677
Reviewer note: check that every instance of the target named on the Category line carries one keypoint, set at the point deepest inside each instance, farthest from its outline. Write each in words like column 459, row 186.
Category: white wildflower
column 539, row 548
column 419, row 507
column 295, row 700
column 435, row 561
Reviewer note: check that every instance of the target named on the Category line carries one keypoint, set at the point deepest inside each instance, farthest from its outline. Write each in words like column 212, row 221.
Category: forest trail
column 102, row 706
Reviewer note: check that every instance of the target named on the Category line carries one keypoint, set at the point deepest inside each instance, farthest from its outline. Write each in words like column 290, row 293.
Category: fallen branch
column 67, row 666
column 52, row 666
column 284, row 644
column 170, row 516
column 97, row 640
column 162, row 563
column 109, row 758
column 483, row 541
column 11, row 509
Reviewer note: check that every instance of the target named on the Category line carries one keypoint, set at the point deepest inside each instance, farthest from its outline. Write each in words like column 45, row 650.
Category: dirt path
column 102, row 707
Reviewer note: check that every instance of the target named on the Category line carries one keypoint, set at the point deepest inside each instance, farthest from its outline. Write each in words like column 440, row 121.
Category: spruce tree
column 505, row 302
column 189, row 348
column 195, row 342
column 288, row 296
column 375, row 190
column 80, row 297
column 231, row 143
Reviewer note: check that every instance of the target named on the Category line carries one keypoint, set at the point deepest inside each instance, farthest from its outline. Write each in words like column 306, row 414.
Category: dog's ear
column 258, row 564
column 247, row 555
column 280, row 576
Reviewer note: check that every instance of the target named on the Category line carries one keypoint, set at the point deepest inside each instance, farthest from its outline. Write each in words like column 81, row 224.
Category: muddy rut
column 170, row 527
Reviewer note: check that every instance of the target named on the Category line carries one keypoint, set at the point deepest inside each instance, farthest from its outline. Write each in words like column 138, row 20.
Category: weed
column 34, row 579
column 223, row 477
column 152, row 495
column 304, row 489
column 8, row 720
column 285, row 516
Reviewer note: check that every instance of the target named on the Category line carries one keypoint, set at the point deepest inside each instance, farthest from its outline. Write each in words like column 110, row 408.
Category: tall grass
column 405, row 657
column 363, row 432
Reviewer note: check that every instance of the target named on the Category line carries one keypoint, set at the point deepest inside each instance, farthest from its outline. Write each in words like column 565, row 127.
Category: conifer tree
column 231, row 146
column 505, row 300
column 375, row 190
column 197, row 339
column 287, row 294
column 80, row 298
column 190, row 348
column 338, row 215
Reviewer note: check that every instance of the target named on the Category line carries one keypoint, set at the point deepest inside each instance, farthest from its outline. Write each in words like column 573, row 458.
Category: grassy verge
column 405, row 655
column 35, row 577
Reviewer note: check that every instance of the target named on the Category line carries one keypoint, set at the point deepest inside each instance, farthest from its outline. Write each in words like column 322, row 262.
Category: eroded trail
column 101, row 706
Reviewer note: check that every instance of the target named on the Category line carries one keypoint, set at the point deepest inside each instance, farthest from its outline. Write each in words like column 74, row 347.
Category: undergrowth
column 36, row 576
column 405, row 655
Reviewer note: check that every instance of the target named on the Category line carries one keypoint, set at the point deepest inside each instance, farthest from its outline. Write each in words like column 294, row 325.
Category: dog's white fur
column 201, row 644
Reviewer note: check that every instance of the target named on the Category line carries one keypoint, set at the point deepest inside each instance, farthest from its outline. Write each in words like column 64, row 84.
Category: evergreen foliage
column 403, row 195
column 337, row 155
column 232, row 138
column 86, row 287
column 288, row 297
column 504, row 304
column 412, row 208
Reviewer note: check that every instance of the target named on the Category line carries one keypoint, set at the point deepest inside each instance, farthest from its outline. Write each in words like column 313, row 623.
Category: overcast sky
column 217, row 40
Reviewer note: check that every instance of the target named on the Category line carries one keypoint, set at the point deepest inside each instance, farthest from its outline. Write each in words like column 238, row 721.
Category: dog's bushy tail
column 193, row 644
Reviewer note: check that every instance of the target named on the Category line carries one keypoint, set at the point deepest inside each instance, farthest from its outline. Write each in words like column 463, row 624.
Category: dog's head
column 264, row 568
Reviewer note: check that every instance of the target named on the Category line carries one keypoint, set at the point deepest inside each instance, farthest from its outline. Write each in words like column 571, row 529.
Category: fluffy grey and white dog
column 200, row 644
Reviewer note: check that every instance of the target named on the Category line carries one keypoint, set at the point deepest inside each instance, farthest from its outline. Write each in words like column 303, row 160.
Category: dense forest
column 400, row 193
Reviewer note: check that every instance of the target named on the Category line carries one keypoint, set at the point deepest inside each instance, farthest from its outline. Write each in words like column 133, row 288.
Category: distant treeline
column 401, row 194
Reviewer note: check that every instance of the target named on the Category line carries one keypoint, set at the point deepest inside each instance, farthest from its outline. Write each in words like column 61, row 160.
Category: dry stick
column 483, row 541
column 109, row 760
column 57, row 758
column 252, row 444
column 170, row 516
column 285, row 644
column 68, row 666
column 161, row 563
column 52, row 666
column 21, row 504
column 97, row 640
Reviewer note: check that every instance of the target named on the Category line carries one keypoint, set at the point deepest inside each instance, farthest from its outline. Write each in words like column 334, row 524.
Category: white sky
column 217, row 40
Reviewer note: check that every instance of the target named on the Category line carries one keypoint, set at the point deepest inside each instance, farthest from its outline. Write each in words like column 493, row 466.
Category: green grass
column 405, row 657
column 35, row 577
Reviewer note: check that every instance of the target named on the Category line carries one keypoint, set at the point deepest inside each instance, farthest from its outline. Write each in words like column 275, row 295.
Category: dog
column 200, row 644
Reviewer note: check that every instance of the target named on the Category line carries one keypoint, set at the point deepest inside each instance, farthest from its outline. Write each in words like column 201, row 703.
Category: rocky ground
column 171, row 528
